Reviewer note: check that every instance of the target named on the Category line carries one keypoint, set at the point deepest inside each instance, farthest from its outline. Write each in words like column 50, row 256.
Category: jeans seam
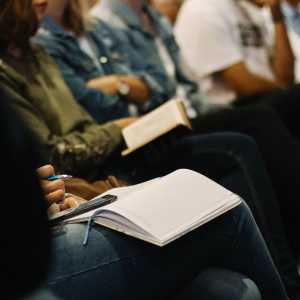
column 75, row 274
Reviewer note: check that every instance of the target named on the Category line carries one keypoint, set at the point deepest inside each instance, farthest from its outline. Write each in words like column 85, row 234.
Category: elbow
column 244, row 89
column 286, row 80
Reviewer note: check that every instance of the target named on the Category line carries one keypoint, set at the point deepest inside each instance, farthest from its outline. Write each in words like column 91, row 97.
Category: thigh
column 115, row 266
column 285, row 102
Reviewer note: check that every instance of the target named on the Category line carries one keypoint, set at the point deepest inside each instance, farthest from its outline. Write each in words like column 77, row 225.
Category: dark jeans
column 115, row 266
column 218, row 284
column 234, row 161
column 280, row 152
column 281, row 147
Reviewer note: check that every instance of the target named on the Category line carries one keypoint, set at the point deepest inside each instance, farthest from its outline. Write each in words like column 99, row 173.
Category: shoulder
column 8, row 76
column 208, row 15
column 10, row 87
column 47, row 40
column 43, row 34
column 207, row 8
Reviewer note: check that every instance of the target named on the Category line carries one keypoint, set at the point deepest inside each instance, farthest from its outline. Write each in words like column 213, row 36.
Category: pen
column 56, row 177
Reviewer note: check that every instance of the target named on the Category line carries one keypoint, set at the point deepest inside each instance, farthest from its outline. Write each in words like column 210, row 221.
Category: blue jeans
column 220, row 284
column 115, row 266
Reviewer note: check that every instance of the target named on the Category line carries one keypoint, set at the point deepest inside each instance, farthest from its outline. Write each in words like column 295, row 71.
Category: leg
column 114, row 266
column 220, row 284
column 285, row 102
column 279, row 149
column 234, row 161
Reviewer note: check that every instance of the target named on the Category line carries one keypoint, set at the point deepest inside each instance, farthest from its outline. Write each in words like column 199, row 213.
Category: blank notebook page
column 170, row 204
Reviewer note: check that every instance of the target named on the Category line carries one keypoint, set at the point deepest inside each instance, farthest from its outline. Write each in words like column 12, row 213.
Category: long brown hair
column 18, row 22
column 76, row 17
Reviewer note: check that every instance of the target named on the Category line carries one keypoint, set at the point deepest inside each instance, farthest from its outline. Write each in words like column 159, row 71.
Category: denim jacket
column 78, row 68
column 119, row 14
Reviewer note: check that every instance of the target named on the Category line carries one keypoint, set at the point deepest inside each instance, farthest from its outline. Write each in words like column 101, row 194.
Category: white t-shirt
column 170, row 68
column 217, row 34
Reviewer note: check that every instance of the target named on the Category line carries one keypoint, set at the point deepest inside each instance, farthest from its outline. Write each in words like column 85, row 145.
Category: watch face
column 124, row 89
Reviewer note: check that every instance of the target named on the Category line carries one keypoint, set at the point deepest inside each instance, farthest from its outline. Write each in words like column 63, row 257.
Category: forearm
column 101, row 84
column 283, row 61
column 139, row 91
column 81, row 153
column 246, row 83
column 257, row 85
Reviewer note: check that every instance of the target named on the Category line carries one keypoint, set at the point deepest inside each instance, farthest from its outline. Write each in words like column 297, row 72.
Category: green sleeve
column 79, row 152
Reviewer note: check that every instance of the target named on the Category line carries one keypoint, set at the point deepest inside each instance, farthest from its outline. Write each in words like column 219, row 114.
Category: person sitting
column 135, row 17
column 242, row 64
column 75, row 144
column 95, row 66
column 49, row 249
column 30, row 217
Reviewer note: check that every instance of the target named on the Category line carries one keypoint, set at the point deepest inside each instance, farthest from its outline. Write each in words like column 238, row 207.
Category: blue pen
column 56, row 177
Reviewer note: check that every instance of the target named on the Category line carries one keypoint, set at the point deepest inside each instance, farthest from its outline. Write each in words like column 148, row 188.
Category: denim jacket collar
column 50, row 24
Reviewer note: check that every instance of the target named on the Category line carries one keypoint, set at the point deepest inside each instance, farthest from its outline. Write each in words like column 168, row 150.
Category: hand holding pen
column 53, row 187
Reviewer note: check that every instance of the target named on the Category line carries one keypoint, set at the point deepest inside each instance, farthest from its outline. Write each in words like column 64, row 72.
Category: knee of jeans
column 241, row 214
column 245, row 144
column 251, row 291
column 224, row 284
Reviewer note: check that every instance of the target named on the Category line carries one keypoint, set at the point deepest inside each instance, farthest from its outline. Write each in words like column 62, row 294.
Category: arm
column 244, row 82
column 101, row 106
column 109, row 85
column 79, row 151
column 283, row 60
column 220, row 54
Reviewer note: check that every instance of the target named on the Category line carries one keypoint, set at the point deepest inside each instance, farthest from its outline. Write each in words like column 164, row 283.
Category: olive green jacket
column 68, row 137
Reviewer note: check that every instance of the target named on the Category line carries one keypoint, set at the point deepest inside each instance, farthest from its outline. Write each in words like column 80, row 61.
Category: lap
column 116, row 266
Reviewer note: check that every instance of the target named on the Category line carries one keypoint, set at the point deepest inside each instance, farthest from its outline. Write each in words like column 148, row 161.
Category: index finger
column 45, row 171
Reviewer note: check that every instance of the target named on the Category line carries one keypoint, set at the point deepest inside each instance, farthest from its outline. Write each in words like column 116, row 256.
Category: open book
column 163, row 209
column 158, row 122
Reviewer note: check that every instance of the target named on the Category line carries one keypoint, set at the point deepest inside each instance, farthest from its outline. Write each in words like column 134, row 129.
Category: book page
column 156, row 123
column 174, row 204
column 120, row 192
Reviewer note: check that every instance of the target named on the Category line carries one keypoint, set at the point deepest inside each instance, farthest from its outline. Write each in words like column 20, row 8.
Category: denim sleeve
column 101, row 107
column 161, row 88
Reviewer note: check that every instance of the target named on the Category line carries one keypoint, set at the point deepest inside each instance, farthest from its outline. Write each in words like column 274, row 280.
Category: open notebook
column 163, row 209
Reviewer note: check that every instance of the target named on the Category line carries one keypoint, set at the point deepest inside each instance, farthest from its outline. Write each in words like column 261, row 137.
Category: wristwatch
column 123, row 89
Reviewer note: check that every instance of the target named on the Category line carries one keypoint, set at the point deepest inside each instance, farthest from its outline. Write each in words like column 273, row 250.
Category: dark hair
column 18, row 22
column 25, row 235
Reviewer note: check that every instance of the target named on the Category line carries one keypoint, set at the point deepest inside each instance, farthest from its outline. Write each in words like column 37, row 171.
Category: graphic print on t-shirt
column 251, row 35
